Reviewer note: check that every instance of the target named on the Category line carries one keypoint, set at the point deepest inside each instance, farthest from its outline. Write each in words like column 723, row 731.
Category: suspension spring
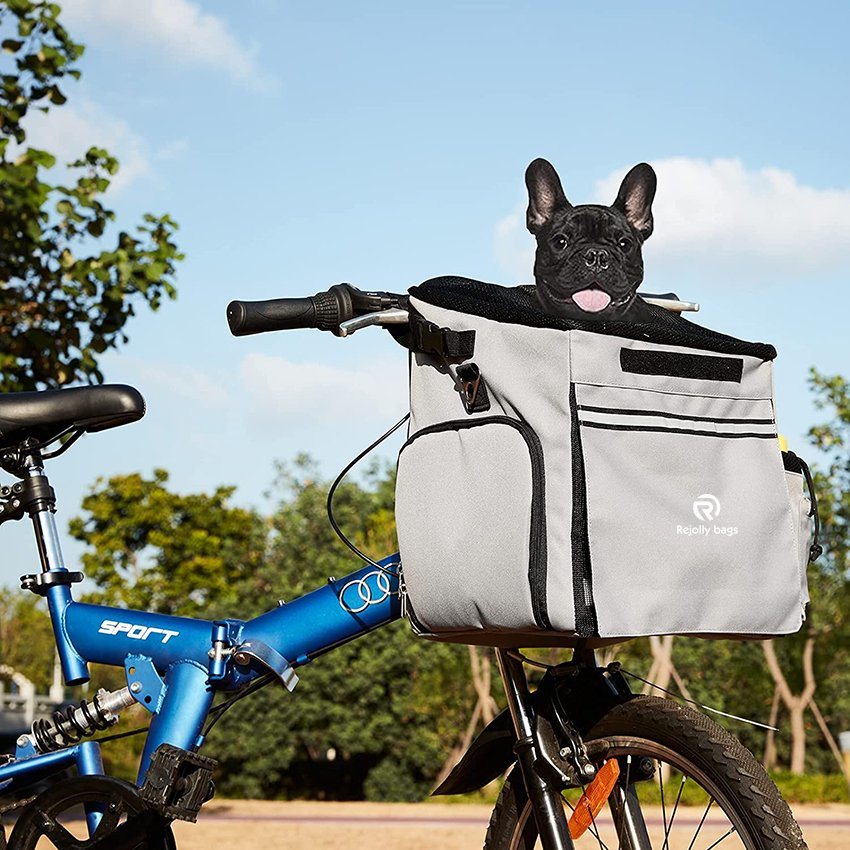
column 71, row 724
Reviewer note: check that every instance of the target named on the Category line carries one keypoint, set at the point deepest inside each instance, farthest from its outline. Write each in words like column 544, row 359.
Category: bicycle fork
column 536, row 751
column 544, row 793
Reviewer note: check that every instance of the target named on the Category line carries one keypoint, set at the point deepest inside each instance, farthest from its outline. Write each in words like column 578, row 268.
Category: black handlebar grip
column 325, row 311
column 278, row 314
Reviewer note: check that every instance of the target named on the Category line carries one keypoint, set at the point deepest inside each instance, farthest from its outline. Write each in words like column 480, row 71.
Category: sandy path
column 317, row 826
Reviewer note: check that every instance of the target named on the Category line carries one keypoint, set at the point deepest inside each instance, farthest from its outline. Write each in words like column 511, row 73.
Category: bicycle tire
column 741, row 786
column 120, row 800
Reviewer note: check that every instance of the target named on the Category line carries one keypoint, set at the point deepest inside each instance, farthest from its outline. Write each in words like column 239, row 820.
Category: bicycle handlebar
column 325, row 310
column 334, row 309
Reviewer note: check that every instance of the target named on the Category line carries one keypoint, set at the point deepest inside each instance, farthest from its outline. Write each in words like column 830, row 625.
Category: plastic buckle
column 431, row 339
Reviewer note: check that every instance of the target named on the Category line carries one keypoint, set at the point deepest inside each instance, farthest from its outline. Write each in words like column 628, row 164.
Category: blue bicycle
column 588, row 762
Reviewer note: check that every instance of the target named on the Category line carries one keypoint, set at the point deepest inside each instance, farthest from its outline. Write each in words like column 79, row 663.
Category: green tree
column 26, row 638
column 68, row 283
column 811, row 668
column 832, row 394
column 376, row 718
column 829, row 576
column 157, row 550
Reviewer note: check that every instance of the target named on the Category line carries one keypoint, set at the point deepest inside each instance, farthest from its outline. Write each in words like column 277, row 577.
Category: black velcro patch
column 703, row 367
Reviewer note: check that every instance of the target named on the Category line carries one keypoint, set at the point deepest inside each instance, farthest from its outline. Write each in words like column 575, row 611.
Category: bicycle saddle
column 48, row 414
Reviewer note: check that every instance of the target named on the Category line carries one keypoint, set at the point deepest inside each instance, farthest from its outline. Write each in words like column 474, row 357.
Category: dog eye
column 559, row 241
column 625, row 243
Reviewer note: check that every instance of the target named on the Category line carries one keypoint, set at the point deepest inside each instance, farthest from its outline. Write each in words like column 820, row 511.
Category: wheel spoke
column 625, row 794
column 673, row 815
column 594, row 830
column 702, row 821
column 109, row 819
column 661, row 786
column 722, row 838
column 61, row 838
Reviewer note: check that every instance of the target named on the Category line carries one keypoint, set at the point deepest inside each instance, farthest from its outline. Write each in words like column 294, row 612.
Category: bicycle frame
column 175, row 665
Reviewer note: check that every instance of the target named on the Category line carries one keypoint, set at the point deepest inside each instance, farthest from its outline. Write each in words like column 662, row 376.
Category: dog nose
column 596, row 258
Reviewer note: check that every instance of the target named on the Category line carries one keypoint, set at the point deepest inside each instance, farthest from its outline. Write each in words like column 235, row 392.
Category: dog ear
column 545, row 194
column 635, row 198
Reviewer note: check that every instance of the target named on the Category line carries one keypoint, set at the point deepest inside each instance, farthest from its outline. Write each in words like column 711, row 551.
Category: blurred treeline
column 383, row 716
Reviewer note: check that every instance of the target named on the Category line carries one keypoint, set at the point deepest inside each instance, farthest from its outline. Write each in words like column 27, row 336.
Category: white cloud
column 282, row 392
column 721, row 216
column 69, row 131
column 515, row 246
column 186, row 382
column 179, row 28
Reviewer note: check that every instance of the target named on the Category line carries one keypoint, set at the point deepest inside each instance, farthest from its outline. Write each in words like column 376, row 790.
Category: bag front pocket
column 471, row 520
column 804, row 511
column 687, row 517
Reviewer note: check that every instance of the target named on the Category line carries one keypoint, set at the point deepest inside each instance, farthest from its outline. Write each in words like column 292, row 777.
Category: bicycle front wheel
column 684, row 784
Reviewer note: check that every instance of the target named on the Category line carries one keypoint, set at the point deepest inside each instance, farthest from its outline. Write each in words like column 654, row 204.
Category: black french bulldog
column 588, row 263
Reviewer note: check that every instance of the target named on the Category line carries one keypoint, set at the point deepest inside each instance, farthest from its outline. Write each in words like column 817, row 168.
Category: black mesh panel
column 518, row 305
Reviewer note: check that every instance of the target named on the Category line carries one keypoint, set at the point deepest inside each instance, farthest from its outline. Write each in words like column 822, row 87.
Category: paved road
column 317, row 826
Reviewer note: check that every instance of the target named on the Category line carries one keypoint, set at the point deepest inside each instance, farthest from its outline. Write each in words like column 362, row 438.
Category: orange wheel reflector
column 594, row 798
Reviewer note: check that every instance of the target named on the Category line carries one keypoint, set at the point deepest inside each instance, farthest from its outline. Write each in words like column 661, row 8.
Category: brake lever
column 393, row 316
column 674, row 305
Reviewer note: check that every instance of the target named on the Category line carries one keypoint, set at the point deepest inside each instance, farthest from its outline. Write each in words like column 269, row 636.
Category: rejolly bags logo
column 706, row 508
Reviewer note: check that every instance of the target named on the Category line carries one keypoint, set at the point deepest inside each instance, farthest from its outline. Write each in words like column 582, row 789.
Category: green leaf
column 95, row 228
column 56, row 96
column 69, row 290
column 155, row 271
column 42, row 158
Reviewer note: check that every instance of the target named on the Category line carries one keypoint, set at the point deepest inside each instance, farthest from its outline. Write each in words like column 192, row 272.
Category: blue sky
column 300, row 145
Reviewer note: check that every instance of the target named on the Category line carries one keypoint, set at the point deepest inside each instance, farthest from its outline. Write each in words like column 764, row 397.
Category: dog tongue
column 592, row 300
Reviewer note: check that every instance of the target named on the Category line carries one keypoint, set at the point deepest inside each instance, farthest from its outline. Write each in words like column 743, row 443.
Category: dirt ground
column 332, row 826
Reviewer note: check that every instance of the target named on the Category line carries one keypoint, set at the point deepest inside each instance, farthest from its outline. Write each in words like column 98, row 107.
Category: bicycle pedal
column 178, row 782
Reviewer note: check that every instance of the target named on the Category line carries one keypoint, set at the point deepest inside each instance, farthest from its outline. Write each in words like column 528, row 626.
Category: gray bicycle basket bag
column 598, row 480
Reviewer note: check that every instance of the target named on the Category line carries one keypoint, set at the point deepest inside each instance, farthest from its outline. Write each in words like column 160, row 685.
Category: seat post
column 44, row 522
column 55, row 580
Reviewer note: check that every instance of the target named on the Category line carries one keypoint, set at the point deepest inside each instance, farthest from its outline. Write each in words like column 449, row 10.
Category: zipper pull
column 402, row 594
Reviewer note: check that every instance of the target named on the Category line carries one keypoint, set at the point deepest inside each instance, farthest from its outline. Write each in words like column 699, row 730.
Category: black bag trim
column 585, row 610
column 610, row 426
column 627, row 411
column 518, row 305
column 794, row 463
column 420, row 335
column 537, row 545
column 416, row 624
column 672, row 364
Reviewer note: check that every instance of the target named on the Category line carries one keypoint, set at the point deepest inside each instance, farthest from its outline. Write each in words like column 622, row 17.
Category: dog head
column 588, row 262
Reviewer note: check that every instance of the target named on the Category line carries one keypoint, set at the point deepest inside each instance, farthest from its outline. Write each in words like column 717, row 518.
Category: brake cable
column 339, row 532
